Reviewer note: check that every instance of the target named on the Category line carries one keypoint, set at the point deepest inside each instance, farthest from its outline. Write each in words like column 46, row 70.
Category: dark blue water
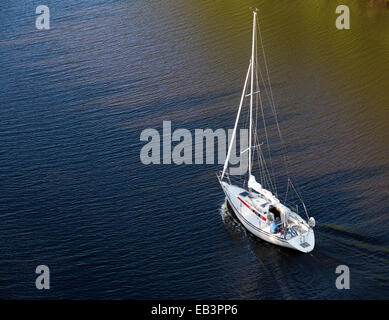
column 75, row 196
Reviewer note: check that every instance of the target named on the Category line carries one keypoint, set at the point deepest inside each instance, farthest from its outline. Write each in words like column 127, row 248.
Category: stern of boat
column 304, row 242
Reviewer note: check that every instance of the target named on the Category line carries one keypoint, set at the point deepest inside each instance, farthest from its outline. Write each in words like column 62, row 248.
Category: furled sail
column 253, row 184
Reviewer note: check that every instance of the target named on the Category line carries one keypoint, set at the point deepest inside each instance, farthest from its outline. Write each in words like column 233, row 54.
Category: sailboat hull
column 303, row 243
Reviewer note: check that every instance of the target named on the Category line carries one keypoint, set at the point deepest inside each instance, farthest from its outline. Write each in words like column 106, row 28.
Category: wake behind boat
column 254, row 204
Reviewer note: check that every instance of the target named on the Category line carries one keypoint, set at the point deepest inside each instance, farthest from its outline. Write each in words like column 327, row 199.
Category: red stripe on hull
column 257, row 213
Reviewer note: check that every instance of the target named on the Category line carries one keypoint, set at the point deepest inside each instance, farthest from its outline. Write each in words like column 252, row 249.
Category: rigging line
column 272, row 183
column 256, row 119
column 287, row 188
column 267, row 137
column 256, row 139
column 244, row 122
column 265, row 174
column 262, row 165
column 256, row 136
column 262, row 170
column 265, row 169
column 272, row 102
column 245, row 125
column 285, row 155
column 262, row 177
column 267, row 73
column 302, row 201
column 256, row 143
column 286, row 160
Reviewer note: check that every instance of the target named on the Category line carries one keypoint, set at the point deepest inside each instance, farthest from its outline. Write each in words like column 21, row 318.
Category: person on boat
column 274, row 226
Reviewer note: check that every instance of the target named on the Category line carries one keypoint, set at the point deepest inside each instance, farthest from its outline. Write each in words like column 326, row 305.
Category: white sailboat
column 258, row 208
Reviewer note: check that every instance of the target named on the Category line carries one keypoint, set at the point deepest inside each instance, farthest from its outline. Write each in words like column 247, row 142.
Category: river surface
column 75, row 196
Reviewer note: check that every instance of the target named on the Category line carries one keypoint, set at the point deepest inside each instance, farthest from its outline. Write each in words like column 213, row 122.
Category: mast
column 252, row 89
column 250, row 71
column 236, row 122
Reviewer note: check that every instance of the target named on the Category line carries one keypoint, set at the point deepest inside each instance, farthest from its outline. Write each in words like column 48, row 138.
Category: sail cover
column 253, row 184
